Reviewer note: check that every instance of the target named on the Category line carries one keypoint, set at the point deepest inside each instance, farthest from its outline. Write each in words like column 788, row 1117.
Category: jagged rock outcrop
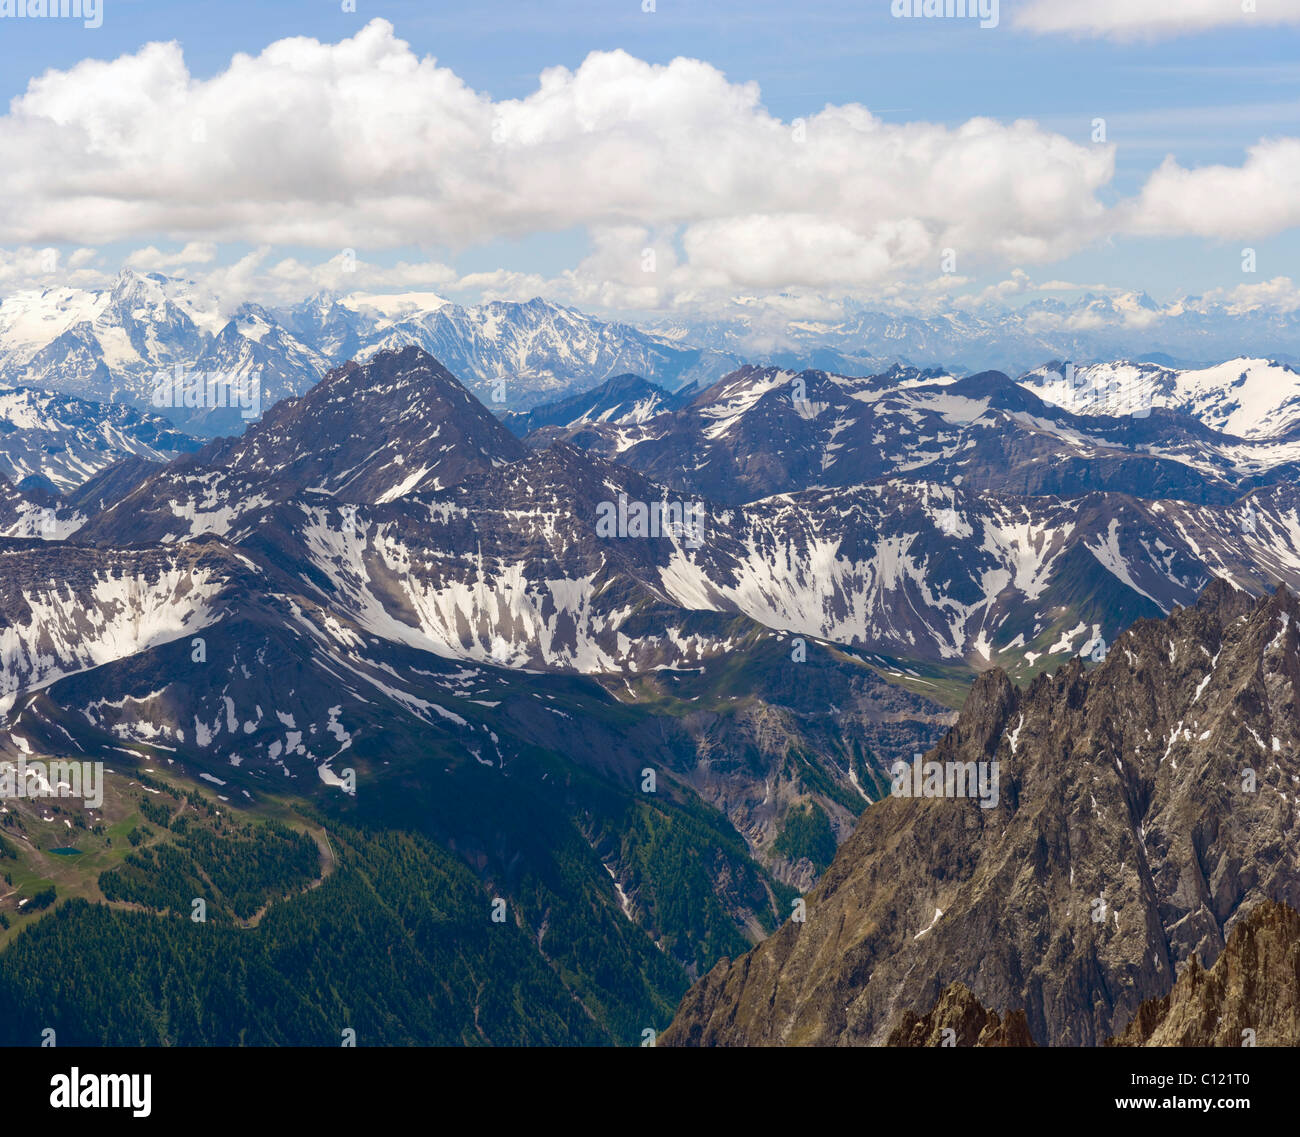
column 1142, row 807
column 1250, row 995
column 970, row 1024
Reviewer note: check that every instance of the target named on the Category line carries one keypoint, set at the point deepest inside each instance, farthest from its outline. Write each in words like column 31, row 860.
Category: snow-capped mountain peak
column 1250, row 398
column 61, row 441
column 389, row 308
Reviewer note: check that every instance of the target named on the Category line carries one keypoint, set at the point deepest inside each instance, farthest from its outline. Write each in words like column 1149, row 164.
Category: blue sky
column 1203, row 97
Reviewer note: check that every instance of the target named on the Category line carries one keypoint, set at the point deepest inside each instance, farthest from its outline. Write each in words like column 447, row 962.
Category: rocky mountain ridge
column 1145, row 807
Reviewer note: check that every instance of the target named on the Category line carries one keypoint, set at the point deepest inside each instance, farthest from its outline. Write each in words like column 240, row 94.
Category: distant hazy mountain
column 112, row 344
column 1122, row 326
column 524, row 353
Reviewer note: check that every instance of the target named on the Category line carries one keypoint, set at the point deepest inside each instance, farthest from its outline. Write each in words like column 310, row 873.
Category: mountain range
column 111, row 344
column 855, row 338
column 56, row 442
column 909, row 515
column 387, row 609
column 918, row 515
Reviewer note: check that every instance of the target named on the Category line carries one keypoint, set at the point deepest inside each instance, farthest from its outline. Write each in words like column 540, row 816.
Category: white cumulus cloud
column 362, row 149
column 1149, row 19
column 363, row 144
column 1257, row 198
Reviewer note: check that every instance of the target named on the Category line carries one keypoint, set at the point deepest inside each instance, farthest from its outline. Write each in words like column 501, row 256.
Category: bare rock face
column 957, row 1019
column 1250, row 996
column 1142, row 808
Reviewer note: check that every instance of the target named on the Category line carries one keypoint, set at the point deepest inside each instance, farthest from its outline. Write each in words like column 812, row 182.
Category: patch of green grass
column 947, row 684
